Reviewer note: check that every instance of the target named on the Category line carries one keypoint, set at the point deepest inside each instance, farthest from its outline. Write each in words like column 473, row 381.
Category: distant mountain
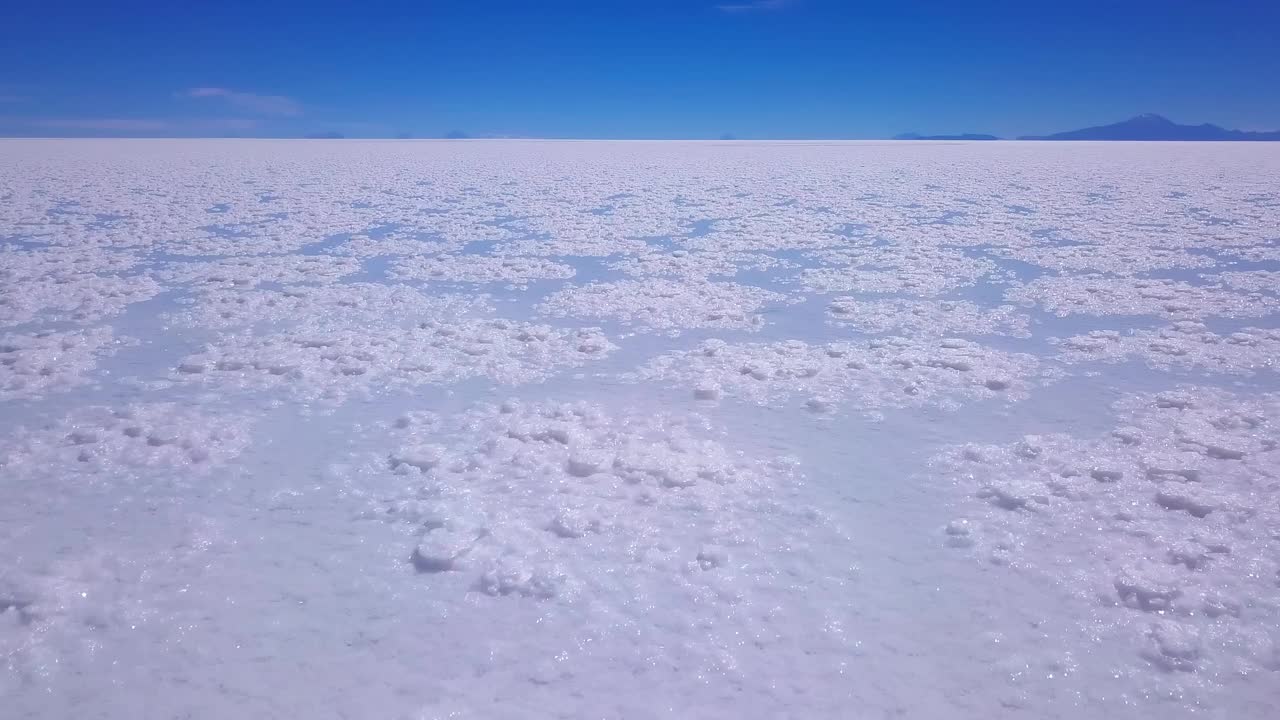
column 965, row 136
column 324, row 136
column 1155, row 127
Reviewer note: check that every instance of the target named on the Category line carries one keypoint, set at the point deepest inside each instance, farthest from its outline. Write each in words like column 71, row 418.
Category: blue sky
column 631, row 68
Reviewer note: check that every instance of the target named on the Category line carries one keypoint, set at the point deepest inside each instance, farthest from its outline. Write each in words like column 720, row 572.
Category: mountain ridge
column 963, row 136
column 1153, row 127
column 1144, row 127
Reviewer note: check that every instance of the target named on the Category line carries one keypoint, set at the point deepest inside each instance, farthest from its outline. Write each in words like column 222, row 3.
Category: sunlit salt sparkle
column 32, row 364
column 929, row 317
column 330, row 360
column 251, row 272
column 1094, row 294
column 638, row 429
column 97, row 441
column 1179, row 496
column 1183, row 344
column 887, row 372
column 479, row 269
column 664, row 304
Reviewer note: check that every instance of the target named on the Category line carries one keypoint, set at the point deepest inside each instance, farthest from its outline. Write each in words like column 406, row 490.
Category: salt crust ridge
column 1183, row 344
column 1168, row 523
column 37, row 363
column 317, row 360
column 661, row 304
column 881, row 373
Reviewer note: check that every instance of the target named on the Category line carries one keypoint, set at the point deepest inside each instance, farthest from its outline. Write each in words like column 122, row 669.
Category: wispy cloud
column 108, row 126
column 249, row 102
column 755, row 6
column 128, row 125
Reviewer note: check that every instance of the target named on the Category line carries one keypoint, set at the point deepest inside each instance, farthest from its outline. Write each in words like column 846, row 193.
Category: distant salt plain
column 511, row 429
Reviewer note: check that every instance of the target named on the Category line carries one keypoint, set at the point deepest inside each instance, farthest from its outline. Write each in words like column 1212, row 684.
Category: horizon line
column 718, row 141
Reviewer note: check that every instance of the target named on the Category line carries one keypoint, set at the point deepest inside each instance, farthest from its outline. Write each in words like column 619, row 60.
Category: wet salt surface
column 522, row 429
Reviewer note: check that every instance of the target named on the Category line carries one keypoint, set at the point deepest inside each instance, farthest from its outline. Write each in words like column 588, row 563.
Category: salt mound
column 479, row 269
column 1251, row 281
column 1265, row 252
column 615, row 515
column 1168, row 523
column 393, row 244
column 322, row 360
column 1112, row 258
column 19, row 265
column 917, row 270
column 697, row 264
column 573, row 245
column 100, row 441
column 927, row 317
column 1185, row 344
column 1103, row 295
column 33, row 364
column 340, row 305
column 880, row 373
column 254, row 271
column 654, row 304
column 920, row 282
column 78, row 298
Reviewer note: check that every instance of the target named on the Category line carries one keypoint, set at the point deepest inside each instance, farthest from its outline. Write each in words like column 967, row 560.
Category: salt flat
column 512, row 429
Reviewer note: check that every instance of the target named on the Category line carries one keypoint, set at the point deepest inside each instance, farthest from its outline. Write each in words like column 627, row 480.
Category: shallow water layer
column 594, row 429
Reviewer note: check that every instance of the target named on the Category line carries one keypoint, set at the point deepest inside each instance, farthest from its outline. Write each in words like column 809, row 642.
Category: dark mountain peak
column 1150, row 126
column 964, row 136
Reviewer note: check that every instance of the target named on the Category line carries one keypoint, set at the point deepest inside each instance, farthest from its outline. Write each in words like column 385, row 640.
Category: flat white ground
column 639, row 430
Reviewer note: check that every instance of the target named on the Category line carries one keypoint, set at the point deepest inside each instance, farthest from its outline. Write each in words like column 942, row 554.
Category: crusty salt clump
column 921, row 271
column 661, row 304
column 1183, row 344
column 1103, row 295
column 78, row 297
column 928, row 317
column 328, row 361
column 1170, row 519
column 338, row 305
column 479, row 269
column 1118, row 259
column 251, row 272
column 879, row 373
column 698, row 264
column 1263, row 281
column 550, row 500
column 33, row 364
column 104, row 442
column 363, row 246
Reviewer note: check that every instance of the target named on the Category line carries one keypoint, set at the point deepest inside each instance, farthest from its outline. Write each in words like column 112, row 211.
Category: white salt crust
column 869, row 375
column 928, row 317
column 1184, row 344
column 1167, row 524
column 661, row 304
column 319, row 360
column 1093, row 294
column 35, row 364
column 479, row 269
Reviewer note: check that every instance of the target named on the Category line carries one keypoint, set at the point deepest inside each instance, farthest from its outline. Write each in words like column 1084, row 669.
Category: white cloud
column 131, row 126
column 260, row 104
column 754, row 6
column 112, row 124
